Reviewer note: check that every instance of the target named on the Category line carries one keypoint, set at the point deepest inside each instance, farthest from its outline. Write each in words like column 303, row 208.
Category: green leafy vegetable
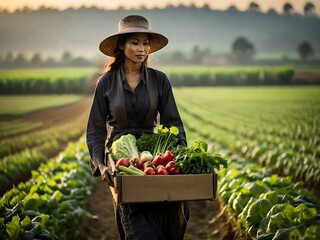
column 196, row 159
column 147, row 142
column 258, row 210
column 124, row 147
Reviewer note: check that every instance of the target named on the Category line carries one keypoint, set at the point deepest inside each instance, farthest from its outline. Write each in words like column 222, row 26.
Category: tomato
column 123, row 162
column 136, row 162
column 168, row 155
column 149, row 171
column 158, row 160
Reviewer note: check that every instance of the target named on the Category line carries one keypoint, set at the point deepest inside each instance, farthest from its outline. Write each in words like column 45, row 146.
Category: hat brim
column 109, row 44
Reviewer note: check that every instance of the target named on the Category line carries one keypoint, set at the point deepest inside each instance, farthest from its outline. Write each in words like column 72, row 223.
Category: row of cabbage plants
column 28, row 152
column 50, row 204
column 267, row 206
column 61, row 133
column 264, row 205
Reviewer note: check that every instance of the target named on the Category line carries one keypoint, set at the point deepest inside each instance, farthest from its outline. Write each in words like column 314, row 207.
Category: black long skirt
column 152, row 221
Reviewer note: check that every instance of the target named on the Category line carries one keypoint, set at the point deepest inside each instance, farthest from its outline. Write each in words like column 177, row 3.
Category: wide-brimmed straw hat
column 133, row 24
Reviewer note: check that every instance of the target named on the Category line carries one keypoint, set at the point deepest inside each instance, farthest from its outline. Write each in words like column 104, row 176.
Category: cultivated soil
column 52, row 117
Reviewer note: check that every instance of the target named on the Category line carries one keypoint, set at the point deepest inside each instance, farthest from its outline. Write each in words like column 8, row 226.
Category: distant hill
column 51, row 32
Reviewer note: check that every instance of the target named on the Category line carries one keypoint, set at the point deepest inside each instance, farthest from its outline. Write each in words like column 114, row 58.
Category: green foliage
column 274, row 126
column 229, row 76
column 49, row 205
column 42, row 81
column 267, row 206
column 18, row 105
column 196, row 159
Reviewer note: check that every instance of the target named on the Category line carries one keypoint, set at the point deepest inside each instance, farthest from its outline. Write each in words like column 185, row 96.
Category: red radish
column 149, row 171
column 168, row 156
column 170, row 165
column 158, row 160
column 162, row 171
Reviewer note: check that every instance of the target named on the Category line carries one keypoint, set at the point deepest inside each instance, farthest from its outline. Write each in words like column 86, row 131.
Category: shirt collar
column 142, row 73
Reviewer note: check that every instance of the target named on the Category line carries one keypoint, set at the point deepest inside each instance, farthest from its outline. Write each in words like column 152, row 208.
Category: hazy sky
column 111, row 4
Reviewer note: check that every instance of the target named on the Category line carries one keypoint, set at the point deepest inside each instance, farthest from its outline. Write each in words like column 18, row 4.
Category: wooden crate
column 159, row 188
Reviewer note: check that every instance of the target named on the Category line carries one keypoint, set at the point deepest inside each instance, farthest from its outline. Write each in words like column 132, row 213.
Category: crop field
column 270, row 190
column 17, row 105
column 34, row 128
column 271, row 138
column 43, row 81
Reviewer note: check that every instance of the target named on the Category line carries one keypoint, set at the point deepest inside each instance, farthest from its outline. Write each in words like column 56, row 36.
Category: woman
column 128, row 98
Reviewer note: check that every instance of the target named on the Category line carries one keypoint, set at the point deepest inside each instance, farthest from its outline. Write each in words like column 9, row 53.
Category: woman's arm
column 96, row 128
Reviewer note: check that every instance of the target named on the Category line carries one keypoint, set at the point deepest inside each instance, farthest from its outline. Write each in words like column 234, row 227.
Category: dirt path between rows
column 52, row 117
column 99, row 203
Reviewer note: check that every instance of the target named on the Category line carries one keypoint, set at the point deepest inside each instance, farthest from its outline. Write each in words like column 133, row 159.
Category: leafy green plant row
column 17, row 105
column 230, row 76
column 301, row 163
column 49, row 205
column 42, row 81
column 264, row 205
column 44, row 85
column 267, row 206
column 60, row 134
column 17, row 167
column 15, row 127
column 305, row 167
column 249, row 119
column 301, row 138
column 294, row 153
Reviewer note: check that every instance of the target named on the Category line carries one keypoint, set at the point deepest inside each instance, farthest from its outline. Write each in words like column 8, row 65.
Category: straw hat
column 133, row 24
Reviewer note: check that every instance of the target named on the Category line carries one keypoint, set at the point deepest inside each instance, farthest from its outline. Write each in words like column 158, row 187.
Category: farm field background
column 17, row 105
column 270, row 136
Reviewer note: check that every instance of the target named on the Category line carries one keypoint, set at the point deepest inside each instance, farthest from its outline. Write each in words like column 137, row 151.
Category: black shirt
column 136, row 104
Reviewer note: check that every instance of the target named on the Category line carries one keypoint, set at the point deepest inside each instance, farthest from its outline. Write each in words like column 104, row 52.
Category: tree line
column 242, row 51
column 309, row 8
column 37, row 61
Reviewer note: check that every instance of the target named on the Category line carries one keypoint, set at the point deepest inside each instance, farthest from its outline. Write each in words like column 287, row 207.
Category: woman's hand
column 105, row 175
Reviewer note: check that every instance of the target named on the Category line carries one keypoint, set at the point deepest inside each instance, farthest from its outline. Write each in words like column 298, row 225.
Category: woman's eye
column 146, row 43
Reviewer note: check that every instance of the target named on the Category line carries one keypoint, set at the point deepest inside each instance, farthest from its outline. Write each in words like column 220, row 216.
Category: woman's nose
column 141, row 48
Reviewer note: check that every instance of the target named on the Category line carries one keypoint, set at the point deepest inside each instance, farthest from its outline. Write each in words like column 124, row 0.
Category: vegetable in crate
column 197, row 160
column 164, row 139
column 146, row 156
column 131, row 170
column 147, row 142
column 124, row 147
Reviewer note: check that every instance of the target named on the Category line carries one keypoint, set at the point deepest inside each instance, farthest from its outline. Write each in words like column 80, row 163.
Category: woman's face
column 137, row 47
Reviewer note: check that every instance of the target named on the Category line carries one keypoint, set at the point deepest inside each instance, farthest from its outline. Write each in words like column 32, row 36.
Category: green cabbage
column 124, row 147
